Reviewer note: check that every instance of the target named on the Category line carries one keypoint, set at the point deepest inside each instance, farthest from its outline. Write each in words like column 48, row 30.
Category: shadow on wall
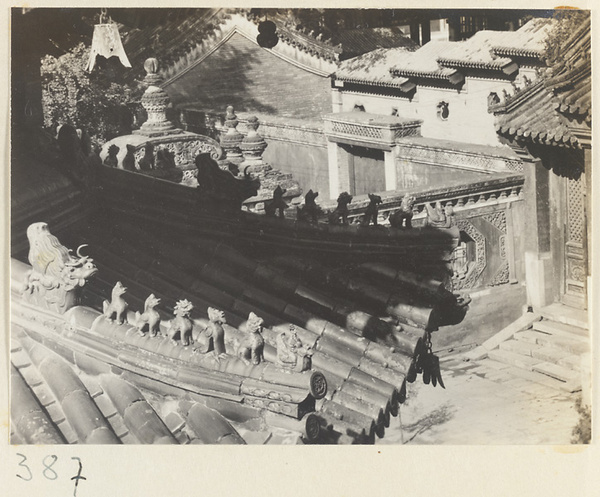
column 252, row 80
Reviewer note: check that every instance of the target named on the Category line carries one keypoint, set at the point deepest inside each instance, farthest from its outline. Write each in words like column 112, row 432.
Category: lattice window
column 575, row 212
column 356, row 129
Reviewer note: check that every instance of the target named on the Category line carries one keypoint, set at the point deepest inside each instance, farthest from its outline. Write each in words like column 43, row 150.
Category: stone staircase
column 543, row 349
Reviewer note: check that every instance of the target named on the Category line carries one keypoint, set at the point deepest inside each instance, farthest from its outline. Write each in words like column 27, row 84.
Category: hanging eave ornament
column 106, row 42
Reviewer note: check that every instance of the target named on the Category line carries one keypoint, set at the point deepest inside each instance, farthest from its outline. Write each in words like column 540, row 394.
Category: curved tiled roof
column 423, row 62
column 487, row 50
column 527, row 41
column 54, row 401
column 373, row 68
column 557, row 109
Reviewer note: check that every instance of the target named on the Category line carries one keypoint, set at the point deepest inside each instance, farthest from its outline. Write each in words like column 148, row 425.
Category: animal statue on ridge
column 149, row 321
column 277, row 204
column 340, row 214
column 250, row 349
column 402, row 218
column 182, row 325
column 117, row 307
column 372, row 210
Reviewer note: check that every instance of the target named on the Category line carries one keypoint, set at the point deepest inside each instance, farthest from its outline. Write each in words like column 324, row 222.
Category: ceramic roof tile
column 527, row 41
column 423, row 62
column 474, row 52
column 373, row 68
column 543, row 112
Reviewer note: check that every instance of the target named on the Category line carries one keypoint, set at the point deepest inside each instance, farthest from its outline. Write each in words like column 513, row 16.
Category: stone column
column 538, row 256
column 391, row 176
column 336, row 100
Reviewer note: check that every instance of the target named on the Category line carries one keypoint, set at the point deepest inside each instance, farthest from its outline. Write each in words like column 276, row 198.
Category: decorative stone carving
column 402, row 218
column 250, row 349
column 155, row 101
column 215, row 334
column 277, row 204
column 340, row 214
column 310, row 211
column 56, row 276
column 502, row 275
column 291, row 352
column 426, row 154
column 372, row 210
column 220, row 190
column 111, row 159
column 129, row 160
column 498, row 219
column 117, row 307
column 474, row 270
column 146, row 162
column 149, row 321
column 438, row 217
column 232, row 139
column 182, row 325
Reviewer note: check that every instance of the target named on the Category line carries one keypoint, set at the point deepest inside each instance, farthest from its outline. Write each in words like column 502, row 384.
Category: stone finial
column 253, row 145
column 232, row 138
column 155, row 101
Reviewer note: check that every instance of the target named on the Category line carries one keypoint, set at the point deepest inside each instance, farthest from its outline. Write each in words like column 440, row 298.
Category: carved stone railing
column 477, row 194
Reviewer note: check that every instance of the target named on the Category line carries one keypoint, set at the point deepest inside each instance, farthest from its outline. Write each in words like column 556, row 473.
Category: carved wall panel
column 476, row 267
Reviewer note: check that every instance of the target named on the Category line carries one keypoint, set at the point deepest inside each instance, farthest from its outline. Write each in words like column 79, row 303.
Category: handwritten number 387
column 48, row 472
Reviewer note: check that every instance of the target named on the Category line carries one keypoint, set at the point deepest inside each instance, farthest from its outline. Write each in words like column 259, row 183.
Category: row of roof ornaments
column 310, row 211
column 56, row 277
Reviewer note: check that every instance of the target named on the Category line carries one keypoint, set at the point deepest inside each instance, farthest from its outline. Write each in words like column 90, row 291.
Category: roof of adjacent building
column 176, row 39
column 372, row 68
column 555, row 110
column 447, row 60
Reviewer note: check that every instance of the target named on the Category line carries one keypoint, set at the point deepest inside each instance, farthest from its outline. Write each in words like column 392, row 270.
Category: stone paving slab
column 565, row 314
column 556, row 371
column 555, row 328
column 513, row 359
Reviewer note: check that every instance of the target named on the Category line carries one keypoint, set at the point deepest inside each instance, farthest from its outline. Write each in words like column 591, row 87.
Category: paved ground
column 484, row 402
column 481, row 405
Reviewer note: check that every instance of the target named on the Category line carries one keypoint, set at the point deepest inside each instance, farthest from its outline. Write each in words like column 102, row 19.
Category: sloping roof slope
column 556, row 110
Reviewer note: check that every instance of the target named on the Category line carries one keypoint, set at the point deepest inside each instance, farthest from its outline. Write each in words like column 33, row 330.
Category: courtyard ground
column 483, row 402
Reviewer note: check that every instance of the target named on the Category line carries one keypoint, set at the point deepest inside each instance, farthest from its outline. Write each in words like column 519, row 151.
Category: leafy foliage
column 96, row 102
column 582, row 433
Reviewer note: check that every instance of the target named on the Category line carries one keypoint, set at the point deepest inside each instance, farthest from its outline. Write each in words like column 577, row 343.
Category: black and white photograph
column 300, row 226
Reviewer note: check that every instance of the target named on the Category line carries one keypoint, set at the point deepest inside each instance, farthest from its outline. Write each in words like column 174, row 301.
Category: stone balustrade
column 473, row 195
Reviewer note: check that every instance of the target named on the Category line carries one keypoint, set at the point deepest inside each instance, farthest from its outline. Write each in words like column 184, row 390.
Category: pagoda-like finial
column 253, row 145
column 231, row 140
column 155, row 100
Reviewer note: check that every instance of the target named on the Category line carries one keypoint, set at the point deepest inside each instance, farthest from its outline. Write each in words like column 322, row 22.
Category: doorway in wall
column 366, row 169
